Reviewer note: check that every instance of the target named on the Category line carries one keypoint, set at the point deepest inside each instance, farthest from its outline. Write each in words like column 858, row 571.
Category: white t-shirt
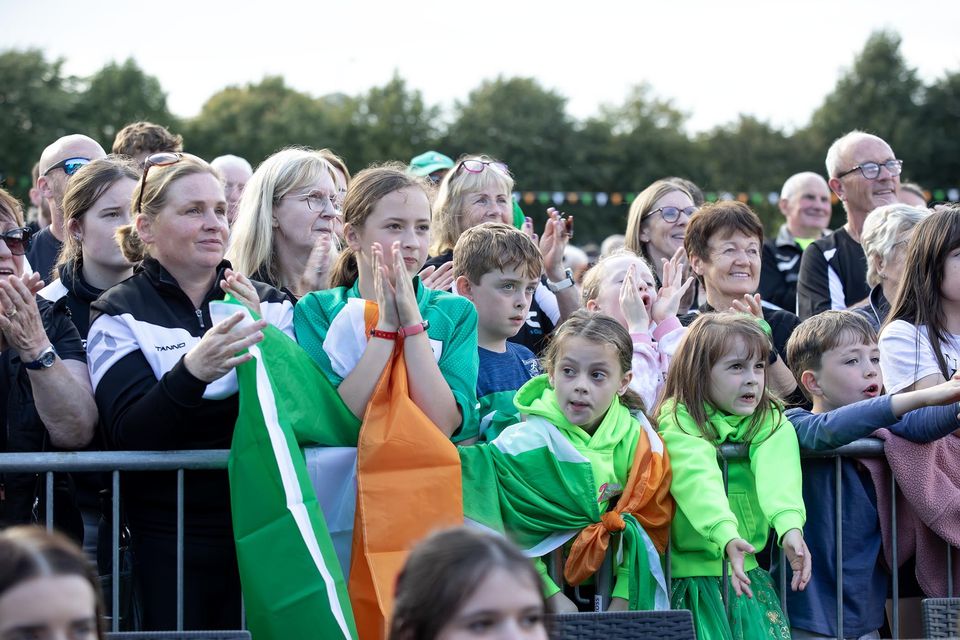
column 906, row 355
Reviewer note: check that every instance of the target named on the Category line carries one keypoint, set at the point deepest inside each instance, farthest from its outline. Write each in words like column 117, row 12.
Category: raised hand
column 673, row 289
column 408, row 313
column 552, row 243
column 240, row 287
column 736, row 550
column 749, row 304
column 631, row 303
column 798, row 555
column 384, row 291
column 439, row 279
column 216, row 353
column 316, row 275
column 20, row 320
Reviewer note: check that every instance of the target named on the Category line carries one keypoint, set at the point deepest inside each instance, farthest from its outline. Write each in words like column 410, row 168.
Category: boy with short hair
column 835, row 358
column 498, row 268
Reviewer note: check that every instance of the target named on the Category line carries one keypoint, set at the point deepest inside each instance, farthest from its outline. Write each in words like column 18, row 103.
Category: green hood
column 537, row 398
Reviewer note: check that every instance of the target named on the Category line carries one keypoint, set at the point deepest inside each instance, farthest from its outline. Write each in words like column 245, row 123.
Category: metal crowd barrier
column 180, row 461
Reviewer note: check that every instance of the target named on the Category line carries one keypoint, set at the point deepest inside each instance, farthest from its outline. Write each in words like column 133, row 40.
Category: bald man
column 235, row 172
column 58, row 163
column 805, row 205
column 864, row 174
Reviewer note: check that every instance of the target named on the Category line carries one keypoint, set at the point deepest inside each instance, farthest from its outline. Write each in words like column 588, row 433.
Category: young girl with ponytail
column 387, row 234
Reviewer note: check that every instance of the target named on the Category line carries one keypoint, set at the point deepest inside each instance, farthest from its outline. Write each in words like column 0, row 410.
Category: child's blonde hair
column 590, row 287
column 705, row 343
column 603, row 330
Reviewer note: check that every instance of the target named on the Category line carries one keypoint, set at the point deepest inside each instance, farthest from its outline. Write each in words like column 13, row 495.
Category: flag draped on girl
column 408, row 483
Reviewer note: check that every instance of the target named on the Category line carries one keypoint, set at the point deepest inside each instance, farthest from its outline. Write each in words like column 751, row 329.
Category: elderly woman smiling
column 885, row 235
column 46, row 391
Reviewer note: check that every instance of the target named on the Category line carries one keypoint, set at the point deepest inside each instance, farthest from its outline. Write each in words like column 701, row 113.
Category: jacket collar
column 71, row 277
column 163, row 279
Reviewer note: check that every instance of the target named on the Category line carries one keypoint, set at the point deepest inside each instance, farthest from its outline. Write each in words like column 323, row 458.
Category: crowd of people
column 589, row 399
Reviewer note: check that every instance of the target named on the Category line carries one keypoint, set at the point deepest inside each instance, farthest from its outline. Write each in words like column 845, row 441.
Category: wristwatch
column 44, row 361
column 566, row 283
column 413, row 329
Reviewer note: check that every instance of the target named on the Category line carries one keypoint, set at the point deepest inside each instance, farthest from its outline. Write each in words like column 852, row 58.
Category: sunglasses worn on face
column 477, row 166
column 69, row 165
column 163, row 159
column 17, row 240
column 672, row 214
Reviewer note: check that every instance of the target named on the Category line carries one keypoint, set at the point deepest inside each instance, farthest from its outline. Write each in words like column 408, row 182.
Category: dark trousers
column 211, row 582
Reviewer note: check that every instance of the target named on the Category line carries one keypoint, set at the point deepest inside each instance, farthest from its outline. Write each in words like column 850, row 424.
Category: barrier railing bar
column 949, row 570
column 49, row 494
column 896, row 568
column 114, row 460
column 179, row 549
column 724, row 584
column 115, row 552
column 838, row 515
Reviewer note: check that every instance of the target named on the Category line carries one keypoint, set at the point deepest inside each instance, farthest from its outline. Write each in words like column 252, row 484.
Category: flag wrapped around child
column 534, row 485
column 408, row 484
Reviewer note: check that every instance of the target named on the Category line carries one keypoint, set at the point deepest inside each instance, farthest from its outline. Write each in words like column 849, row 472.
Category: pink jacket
column 652, row 353
column 928, row 506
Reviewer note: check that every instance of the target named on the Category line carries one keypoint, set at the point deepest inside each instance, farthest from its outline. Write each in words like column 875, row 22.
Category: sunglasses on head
column 17, row 240
column 477, row 166
column 69, row 165
column 163, row 159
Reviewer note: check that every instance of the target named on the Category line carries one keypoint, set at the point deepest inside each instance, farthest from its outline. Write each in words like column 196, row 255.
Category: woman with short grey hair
column 885, row 235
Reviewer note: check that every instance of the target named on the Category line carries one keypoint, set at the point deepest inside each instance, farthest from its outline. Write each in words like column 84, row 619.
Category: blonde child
column 582, row 464
column 622, row 285
column 715, row 394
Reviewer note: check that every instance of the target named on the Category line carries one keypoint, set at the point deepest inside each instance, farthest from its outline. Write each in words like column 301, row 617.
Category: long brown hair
column 919, row 299
column 83, row 191
column 603, row 330
column 707, row 340
column 443, row 571
column 31, row 552
column 367, row 189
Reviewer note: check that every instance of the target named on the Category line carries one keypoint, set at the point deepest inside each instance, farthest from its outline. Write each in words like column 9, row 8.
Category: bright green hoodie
column 764, row 490
column 610, row 451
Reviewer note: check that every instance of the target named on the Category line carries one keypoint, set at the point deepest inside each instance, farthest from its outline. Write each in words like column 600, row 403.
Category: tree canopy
column 594, row 165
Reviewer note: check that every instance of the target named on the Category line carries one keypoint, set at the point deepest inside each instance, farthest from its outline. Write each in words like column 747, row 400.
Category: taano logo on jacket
column 170, row 347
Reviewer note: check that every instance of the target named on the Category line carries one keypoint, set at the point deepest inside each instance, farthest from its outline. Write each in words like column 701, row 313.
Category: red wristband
column 413, row 329
column 386, row 335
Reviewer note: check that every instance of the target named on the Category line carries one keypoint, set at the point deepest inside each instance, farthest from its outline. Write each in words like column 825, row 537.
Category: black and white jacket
column 148, row 400
column 833, row 275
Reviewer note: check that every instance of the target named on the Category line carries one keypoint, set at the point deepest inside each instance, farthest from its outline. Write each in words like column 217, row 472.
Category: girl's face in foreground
column 586, row 376
column 737, row 379
column 614, row 271
column 61, row 607
column 401, row 216
column 504, row 605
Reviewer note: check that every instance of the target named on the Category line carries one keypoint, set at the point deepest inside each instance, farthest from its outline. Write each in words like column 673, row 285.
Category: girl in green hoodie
column 715, row 394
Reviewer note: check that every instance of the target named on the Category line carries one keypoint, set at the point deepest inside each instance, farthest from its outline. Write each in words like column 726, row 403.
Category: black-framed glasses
column 672, row 214
column 17, row 240
column 69, row 165
column 477, row 166
column 163, row 159
column 871, row 170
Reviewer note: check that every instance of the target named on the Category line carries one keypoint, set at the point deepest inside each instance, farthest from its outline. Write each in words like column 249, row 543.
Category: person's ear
column 144, row 226
column 43, row 186
column 783, row 206
column 592, row 305
column 809, row 381
column 465, row 287
column 644, row 235
column 837, row 187
column 878, row 265
column 625, row 383
column 351, row 236
column 74, row 229
column 697, row 264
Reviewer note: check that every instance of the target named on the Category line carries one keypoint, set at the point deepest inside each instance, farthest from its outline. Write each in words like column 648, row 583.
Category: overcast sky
column 713, row 59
